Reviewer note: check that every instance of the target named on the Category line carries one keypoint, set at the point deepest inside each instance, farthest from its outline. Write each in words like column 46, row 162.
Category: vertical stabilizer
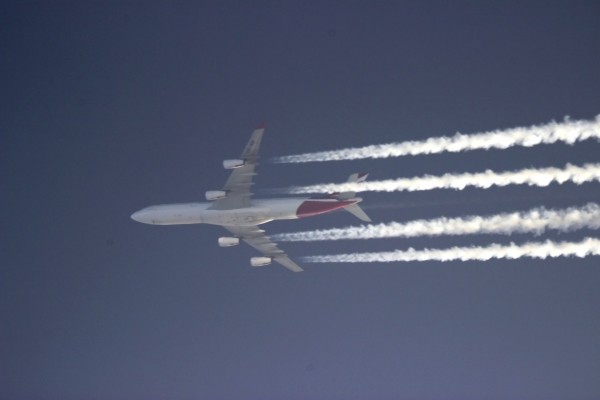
column 355, row 209
column 356, row 177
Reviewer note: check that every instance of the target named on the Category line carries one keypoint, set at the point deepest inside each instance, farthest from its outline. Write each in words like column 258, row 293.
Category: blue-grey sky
column 107, row 107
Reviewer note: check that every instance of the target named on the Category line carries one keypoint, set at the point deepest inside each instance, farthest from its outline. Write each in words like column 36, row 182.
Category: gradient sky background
column 107, row 107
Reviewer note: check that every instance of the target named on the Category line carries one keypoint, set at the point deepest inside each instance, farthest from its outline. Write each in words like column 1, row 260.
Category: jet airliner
column 234, row 209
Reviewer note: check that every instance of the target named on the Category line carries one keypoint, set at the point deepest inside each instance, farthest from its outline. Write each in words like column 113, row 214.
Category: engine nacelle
column 232, row 164
column 212, row 195
column 260, row 261
column 228, row 241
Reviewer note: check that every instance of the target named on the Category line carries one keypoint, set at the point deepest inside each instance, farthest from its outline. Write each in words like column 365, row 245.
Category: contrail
column 529, row 176
column 547, row 249
column 568, row 132
column 536, row 221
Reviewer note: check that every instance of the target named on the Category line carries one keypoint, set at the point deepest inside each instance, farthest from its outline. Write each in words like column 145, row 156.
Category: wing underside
column 238, row 185
column 238, row 195
column 256, row 238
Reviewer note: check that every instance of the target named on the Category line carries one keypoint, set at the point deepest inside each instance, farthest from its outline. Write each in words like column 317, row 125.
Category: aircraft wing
column 256, row 238
column 239, row 182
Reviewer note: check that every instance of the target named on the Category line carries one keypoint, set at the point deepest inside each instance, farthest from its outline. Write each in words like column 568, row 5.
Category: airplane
column 233, row 208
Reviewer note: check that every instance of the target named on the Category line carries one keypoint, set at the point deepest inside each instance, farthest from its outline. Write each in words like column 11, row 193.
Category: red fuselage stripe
column 315, row 207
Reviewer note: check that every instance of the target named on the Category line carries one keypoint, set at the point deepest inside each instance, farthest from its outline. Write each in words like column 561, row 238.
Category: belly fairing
column 239, row 217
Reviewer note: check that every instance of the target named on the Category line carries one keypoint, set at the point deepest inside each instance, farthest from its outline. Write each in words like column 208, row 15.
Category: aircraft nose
column 138, row 216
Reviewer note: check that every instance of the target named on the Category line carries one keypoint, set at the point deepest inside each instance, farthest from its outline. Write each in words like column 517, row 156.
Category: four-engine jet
column 235, row 210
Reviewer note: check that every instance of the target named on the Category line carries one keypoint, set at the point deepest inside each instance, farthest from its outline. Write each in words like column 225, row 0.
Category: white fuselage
column 261, row 211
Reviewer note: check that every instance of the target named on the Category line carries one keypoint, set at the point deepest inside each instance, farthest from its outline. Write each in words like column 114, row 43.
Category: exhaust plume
column 543, row 250
column 568, row 132
column 536, row 221
column 529, row 176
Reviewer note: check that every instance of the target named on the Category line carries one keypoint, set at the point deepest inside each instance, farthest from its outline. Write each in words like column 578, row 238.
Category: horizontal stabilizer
column 358, row 212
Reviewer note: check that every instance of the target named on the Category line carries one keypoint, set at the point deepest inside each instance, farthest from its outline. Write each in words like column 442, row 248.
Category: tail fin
column 355, row 209
column 356, row 177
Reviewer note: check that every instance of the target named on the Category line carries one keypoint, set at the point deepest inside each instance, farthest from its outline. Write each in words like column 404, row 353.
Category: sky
column 108, row 107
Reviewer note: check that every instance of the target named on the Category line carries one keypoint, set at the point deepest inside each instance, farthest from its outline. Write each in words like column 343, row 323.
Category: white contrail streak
column 568, row 132
column 529, row 176
column 536, row 221
column 547, row 249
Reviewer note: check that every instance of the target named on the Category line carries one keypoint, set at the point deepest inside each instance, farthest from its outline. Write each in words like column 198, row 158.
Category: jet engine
column 228, row 241
column 232, row 164
column 260, row 261
column 212, row 195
